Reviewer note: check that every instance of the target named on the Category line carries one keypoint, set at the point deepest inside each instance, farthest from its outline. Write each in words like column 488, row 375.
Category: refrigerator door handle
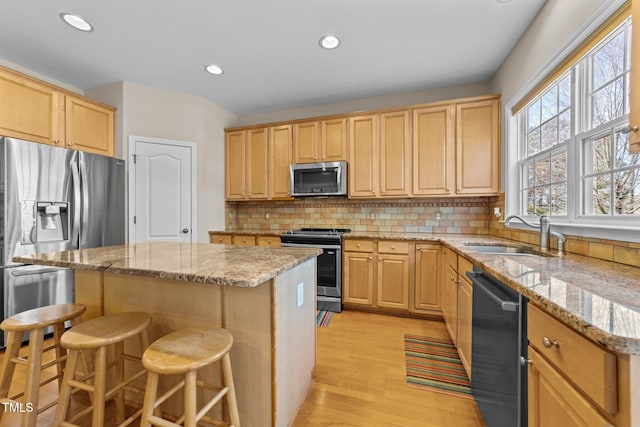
column 75, row 175
column 85, row 198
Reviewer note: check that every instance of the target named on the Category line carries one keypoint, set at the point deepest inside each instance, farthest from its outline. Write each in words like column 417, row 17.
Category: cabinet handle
column 548, row 343
column 524, row 361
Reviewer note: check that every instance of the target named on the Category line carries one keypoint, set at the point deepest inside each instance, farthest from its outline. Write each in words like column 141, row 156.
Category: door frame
column 133, row 139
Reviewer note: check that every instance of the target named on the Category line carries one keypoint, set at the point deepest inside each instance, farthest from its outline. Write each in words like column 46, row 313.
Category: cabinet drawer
column 585, row 363
column 222, row 239
column 358, row 245
column 390, row 247
column 272, row 241
column 451, row 259
column 244, row 240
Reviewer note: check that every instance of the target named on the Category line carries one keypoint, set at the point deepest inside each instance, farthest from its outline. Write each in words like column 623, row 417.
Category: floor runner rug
column 323, row 318
column 433, row 364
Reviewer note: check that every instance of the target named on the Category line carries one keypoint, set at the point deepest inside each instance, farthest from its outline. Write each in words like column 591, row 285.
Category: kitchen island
column 264, row 296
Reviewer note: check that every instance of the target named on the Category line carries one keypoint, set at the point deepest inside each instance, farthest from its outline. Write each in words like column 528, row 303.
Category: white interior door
column 162, row 188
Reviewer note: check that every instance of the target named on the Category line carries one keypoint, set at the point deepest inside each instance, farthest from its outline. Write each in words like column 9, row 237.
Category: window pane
column 529, row 197
column 623, row 157
column 565, row 93
column 627, row 192
column 564, row 126
column 550, row 104
column 608, row 61
column 533, row 142
column 533, row 115
column 608, row 103
column 542, row 172
column 542, row 200
column 600, row 189
column 601, row 154
column 559, row 167
column 559, row 199
column 531, row 175
column 550, row 133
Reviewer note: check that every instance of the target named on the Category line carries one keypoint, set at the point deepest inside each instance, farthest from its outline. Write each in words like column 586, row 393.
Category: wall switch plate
column 300, row 294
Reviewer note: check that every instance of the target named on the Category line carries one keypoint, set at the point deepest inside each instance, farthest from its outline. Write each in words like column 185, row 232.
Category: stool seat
column 103, row 331
column 187, row 350
column 42, row 317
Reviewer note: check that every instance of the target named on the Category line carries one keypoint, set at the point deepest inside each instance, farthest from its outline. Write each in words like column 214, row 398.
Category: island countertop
column 231, row 265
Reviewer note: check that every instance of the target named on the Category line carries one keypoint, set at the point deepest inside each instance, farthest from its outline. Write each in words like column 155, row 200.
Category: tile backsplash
column 464, row 215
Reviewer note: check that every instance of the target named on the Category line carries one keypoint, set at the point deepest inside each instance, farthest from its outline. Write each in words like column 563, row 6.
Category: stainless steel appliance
column 52, row 199
column 499, row 348
column 329, row 280
column 319, row 179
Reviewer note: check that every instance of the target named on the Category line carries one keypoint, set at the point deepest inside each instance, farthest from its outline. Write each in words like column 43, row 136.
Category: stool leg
column 119, row 379
column 34, row 368
column 14, row 339
column 150, row 396
column 190, row 399
column 65, row 389
column 58, row 330
column 227, row 376
column 99, row 386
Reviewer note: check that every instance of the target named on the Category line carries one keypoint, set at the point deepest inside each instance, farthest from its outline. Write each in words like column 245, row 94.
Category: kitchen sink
column 506, row 250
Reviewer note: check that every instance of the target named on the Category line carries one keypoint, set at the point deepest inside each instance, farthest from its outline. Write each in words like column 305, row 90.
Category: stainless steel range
column 329, row 262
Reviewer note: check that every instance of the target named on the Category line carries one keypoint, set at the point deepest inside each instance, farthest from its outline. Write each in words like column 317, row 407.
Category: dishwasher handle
column 476, row 278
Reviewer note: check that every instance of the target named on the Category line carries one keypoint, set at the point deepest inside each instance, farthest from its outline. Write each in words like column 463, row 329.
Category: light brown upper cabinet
column 257, row 163
column 235, row 165
column 634, row 106
column 280, row 157
column 395, row 154
column 320, row 141
column 363, row 155
column 88, row 126
column 434, row 151
column 477, row 147
column 38, row 112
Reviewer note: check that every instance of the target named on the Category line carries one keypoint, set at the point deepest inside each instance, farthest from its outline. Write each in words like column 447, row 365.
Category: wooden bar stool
column 34, row 322
column 185, row 352
column 99, row 334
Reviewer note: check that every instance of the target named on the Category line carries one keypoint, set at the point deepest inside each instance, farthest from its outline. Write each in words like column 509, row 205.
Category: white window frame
column 625, row 229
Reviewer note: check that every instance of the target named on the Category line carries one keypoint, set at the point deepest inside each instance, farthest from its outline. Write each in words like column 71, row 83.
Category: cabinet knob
column 357, row 245
column 548, row 343
column 393, row 247
column 448, row 190
column 56, row 142
column 69, row 144
column 524, row 361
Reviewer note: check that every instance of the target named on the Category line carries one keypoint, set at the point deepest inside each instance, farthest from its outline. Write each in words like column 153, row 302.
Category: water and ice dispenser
column 44, row 222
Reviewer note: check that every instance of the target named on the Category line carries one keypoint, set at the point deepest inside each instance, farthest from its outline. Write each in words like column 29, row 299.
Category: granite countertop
column 597, row 298
column 232, row 265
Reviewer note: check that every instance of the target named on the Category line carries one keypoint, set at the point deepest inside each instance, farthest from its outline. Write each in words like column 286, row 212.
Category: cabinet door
column 257, row 163
column 477, row 147
column 333, row 140
column 465, row 305
column 393, row 281
column 280, row 160
column 244, row 240
column 235, row 162
column 434, row 151
column 428, row 283
column 305, row 142
column 363, row 156
column 450, row 303
column 358, row 278
column 221, row 239
column 88, row 126
column 395, row 154
column 28, row 110
column 553, row 402
column 634, row 105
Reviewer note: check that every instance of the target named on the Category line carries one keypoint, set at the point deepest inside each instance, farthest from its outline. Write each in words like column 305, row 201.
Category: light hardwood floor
column 360, row 380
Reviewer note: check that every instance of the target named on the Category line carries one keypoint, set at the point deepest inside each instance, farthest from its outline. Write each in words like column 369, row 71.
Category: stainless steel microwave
column 319, row 179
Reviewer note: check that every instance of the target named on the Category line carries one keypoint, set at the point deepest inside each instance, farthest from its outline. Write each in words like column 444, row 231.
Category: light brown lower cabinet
column 357, row 284
column 270, row 241
column 427, row 296
column 392, row 281
column 465, row 305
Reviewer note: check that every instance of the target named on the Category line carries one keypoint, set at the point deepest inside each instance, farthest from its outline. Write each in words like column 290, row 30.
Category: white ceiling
column 268, row 48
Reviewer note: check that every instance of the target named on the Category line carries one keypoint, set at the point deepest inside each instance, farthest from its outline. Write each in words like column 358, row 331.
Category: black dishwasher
column 498, row 378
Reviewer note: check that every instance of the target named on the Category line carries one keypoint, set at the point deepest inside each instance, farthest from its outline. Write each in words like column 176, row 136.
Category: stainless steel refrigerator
column 53, row 199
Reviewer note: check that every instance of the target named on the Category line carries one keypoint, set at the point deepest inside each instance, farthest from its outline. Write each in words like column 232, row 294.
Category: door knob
column 185, row 230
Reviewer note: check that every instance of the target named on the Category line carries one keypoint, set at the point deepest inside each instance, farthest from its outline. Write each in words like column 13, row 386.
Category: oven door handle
column 34, row 272
column 305, row 245
column 476, row 278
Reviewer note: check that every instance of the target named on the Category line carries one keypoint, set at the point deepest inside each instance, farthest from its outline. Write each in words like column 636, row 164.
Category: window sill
column 607, row 232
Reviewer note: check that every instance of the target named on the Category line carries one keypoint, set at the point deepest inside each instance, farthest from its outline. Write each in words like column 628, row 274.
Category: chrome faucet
column 545, row 232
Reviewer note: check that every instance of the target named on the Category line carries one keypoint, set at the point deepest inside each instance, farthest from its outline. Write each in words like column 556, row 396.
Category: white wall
column 372, row 103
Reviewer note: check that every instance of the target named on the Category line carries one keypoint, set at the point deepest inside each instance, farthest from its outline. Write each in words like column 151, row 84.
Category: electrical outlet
column 373, row 215
column 300, row 294
column 497, row 212
column 267, row 215
column 437, row 216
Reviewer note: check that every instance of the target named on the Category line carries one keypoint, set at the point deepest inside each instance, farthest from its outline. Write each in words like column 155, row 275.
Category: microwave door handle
column 339, row 179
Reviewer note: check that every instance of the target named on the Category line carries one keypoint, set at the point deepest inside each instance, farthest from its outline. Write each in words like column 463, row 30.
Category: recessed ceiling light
column 329, row 42
column 214, row 69
column 76, row 22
